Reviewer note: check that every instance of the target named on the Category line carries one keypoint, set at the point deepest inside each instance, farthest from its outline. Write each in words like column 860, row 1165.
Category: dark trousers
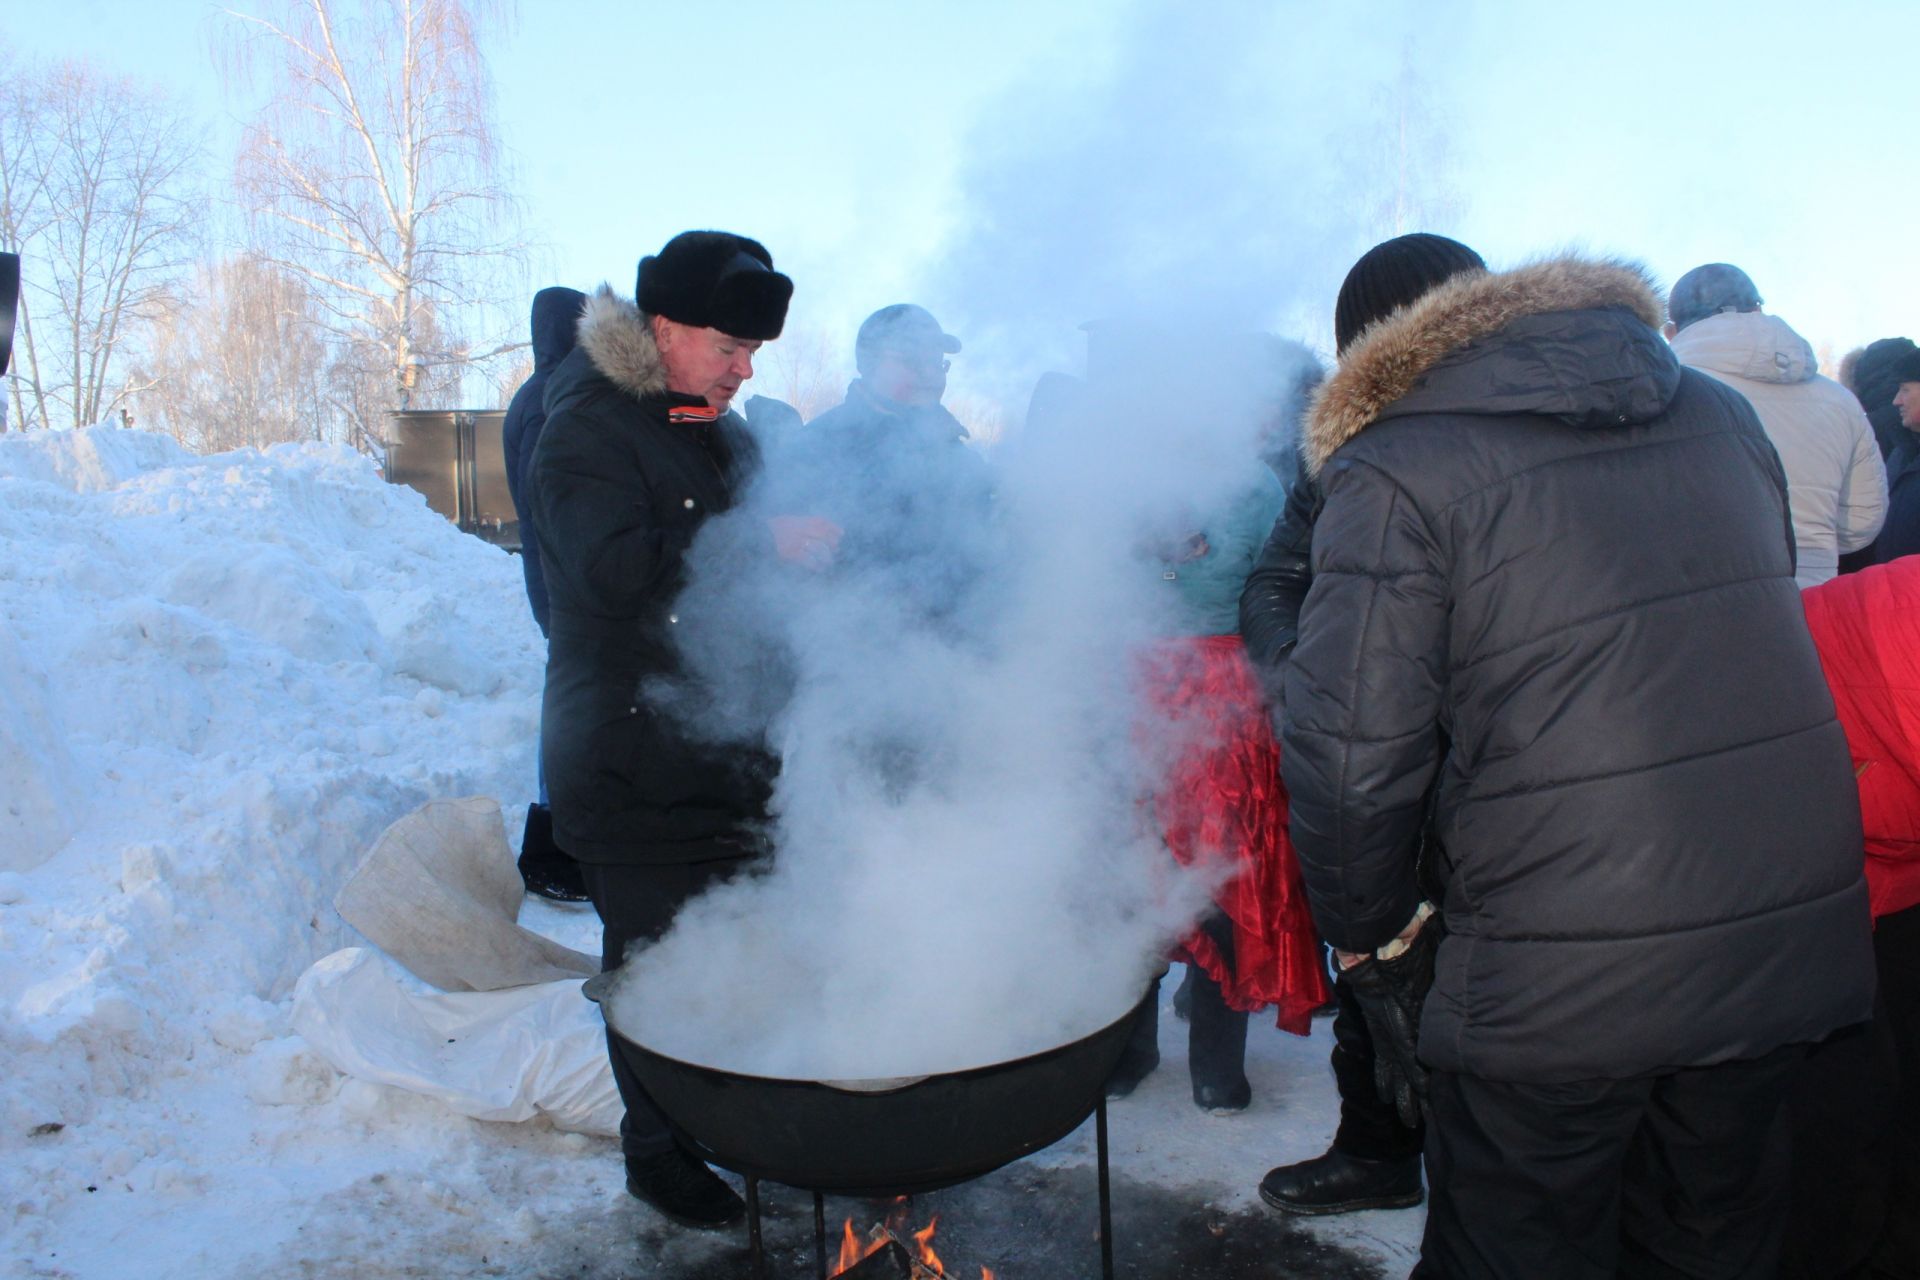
column 1370, row 1128
column 1855, row 1109
column 1216, row 1033
column 1896, row 945
column 1682, row 1174
column 636, row 904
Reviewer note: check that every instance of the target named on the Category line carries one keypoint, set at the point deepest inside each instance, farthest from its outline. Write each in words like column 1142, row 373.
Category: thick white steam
column 966, row 870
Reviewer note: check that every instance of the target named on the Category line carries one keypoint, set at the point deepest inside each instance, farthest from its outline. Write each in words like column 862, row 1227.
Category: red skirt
column 1223, row 804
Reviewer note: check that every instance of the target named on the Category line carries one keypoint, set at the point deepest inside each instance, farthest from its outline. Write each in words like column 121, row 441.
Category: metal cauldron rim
column 597, row 988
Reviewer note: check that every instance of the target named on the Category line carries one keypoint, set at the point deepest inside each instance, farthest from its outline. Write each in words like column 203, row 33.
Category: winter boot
column 683, row 1189
column 1183, row 995
column 544, row 869
column 1339, row 1183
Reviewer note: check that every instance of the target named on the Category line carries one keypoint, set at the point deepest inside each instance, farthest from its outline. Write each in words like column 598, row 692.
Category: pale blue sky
column 1019, row 166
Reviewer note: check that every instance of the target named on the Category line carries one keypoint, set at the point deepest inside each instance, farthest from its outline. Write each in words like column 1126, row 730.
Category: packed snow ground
column 220, row 678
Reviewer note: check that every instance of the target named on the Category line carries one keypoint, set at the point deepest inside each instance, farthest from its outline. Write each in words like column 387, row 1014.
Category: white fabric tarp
column 537, row 1050
column 508, row 1036
column 439, row 892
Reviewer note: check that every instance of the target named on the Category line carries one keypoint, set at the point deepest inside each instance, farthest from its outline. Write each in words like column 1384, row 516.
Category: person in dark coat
column 1553, row 622
column 1874, row 381
column 1889, row 375
column 555, row 321
column 544, row 868
column 1374, row 1160
column 638, row 453
column 892, row 468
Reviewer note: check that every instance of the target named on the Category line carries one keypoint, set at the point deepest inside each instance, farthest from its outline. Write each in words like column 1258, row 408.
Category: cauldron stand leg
column 1106, row 1192
column 820, row 1235
column 754, row 1251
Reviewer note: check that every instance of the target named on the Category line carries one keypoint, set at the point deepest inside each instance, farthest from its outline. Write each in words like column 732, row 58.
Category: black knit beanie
column 715, row 280
column 1393, row 274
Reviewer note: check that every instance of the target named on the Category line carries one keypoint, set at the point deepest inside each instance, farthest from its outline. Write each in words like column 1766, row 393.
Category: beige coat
column 1836, row 482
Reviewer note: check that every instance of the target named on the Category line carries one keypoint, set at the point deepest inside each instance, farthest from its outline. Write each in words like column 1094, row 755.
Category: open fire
column 890, row 1250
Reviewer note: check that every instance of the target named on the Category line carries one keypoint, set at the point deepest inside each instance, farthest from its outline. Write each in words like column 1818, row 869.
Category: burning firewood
column 890, row 1253
column 888, row 1262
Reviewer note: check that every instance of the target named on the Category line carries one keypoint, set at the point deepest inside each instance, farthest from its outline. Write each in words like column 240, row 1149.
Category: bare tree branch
column 96, row 180
column 375, row 177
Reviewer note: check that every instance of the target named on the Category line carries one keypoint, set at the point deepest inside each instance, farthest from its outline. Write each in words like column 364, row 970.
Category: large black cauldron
column 882, row 1137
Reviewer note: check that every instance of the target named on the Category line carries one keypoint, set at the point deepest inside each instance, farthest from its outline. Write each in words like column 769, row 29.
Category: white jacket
column 1836, row 482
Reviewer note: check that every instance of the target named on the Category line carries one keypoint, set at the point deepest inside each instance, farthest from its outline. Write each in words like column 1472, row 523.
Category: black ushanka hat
column 715, row 280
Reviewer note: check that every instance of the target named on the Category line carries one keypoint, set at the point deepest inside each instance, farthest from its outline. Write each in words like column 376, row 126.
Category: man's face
column 1907, row 401
column 704, row 362
column 909, row 375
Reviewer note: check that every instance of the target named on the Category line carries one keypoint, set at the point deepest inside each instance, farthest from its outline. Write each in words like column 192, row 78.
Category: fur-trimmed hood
column 616, row 337
column 1390, row 360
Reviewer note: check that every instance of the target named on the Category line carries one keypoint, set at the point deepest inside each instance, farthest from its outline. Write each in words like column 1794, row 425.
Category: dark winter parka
column 625, row 474
column 1553, row 587
column 913, row 499
column 1900, row 535
column 898, row 477
column 556, row 317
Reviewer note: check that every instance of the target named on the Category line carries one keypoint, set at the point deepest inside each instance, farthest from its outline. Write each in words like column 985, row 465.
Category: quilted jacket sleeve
column 595, row 516
column 1277, row 587
column 1364, row 694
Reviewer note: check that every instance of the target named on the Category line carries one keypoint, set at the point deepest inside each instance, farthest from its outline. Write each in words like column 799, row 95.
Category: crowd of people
column 1559, row 688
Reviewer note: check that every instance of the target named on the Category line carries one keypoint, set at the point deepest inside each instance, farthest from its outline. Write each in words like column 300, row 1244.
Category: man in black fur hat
column 639, row 452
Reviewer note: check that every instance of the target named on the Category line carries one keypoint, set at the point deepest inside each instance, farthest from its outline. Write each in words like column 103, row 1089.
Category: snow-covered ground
column 220, row 678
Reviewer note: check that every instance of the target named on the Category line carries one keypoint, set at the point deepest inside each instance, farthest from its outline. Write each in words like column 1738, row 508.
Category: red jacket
column 1867, row 628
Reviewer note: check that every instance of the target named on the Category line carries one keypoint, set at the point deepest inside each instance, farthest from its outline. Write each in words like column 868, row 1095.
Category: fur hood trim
column 1391, row 357
column 620, row 343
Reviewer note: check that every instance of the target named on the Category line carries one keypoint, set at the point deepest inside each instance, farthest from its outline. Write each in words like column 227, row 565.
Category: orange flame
column 922, row 1240
column 853, row 1249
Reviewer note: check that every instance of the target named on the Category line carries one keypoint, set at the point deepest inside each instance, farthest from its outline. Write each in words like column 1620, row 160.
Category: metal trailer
column 455, row 458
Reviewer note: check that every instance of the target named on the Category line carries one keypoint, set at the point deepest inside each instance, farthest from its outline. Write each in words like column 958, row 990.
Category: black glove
column 1390, row 993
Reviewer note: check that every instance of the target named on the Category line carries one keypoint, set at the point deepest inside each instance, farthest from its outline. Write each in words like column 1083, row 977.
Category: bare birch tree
column 240, row 361
column 96, row 186
column 1407, row 158
column 807, row 369
column 374, row 174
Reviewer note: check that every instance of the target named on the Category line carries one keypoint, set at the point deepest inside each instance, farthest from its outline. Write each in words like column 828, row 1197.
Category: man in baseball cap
column 890, row 467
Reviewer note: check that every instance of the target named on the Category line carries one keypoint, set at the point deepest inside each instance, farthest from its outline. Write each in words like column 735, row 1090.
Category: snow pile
column 220, row 678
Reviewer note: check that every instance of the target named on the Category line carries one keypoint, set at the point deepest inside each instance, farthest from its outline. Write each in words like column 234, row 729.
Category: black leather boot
column 544, row 867
column 1340, row 1183
column 683, row 1189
